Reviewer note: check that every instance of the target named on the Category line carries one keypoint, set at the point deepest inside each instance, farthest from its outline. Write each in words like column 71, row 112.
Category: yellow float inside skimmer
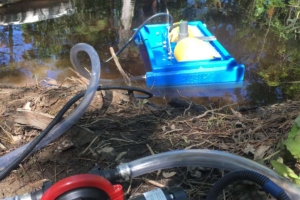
column 191, row 49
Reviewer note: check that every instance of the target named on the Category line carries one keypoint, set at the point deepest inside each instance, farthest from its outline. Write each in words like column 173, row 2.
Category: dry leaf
column 260, row 152
column 163, row 128
column 64, row 146
column 235, row 113
column 168, row 113
column 17, row 138
column 27, row 106
column 168, row 174
column 195, row 171
column 3, row 147
column 121, row 155
column 38, row 183
column 50, row 81
column 172, row 127
column 249, row 148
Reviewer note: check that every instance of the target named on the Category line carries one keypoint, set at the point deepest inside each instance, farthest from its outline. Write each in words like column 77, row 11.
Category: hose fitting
column 124, row 172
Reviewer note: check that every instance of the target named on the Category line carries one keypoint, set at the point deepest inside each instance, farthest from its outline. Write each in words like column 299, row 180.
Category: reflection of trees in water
column 260, row 94
column 34, row 11
column 55, row 37
column 276, row 48
column 10, row 37
column 125, row 31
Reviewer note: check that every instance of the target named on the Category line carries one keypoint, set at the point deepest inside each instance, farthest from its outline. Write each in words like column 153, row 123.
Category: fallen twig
column 195, row 145
column 152, row 152
column 187, row 109
column 126, row 78
column 270, row 156
column 30, row 118
column 81, row 79
column 175, row 130
column 94, row 140
column 86, row 129
column 150, row 149
column 129, row 188
column 9, row 135
column 211, row 111
column 153, row 183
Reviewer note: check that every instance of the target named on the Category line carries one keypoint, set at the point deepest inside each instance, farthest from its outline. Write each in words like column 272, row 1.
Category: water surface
column 36, row 37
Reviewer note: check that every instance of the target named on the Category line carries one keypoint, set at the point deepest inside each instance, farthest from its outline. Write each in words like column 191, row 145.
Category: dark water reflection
column 36, row 45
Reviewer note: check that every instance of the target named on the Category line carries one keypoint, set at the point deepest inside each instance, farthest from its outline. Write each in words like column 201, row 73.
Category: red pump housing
column 114, row 192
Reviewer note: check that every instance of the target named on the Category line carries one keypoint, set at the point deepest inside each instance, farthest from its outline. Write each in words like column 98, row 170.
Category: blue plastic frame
column 166, row 72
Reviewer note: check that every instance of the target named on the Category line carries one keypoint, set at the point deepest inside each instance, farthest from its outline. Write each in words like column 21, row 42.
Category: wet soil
column 117, row 129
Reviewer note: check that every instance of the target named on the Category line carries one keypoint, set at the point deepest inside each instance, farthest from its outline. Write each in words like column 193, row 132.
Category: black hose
column 139, row 28
column 241, row 175
column 58, row 117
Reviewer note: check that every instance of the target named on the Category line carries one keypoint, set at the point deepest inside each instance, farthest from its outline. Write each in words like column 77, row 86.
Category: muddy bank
column 118, row 129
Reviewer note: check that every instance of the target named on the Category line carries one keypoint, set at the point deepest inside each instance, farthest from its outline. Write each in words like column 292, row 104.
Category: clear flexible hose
column 63, row 126
column 204, row 158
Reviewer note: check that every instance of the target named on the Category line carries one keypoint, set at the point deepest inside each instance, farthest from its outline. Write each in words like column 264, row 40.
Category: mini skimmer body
column 164, row 69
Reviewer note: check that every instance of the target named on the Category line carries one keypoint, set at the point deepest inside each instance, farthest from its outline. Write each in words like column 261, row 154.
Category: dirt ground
column 116, row 129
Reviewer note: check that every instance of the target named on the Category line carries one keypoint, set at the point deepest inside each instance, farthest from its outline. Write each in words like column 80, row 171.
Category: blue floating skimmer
column 164, row 70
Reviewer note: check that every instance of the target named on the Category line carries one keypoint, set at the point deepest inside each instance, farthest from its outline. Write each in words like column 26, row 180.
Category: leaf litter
column 131, row 129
